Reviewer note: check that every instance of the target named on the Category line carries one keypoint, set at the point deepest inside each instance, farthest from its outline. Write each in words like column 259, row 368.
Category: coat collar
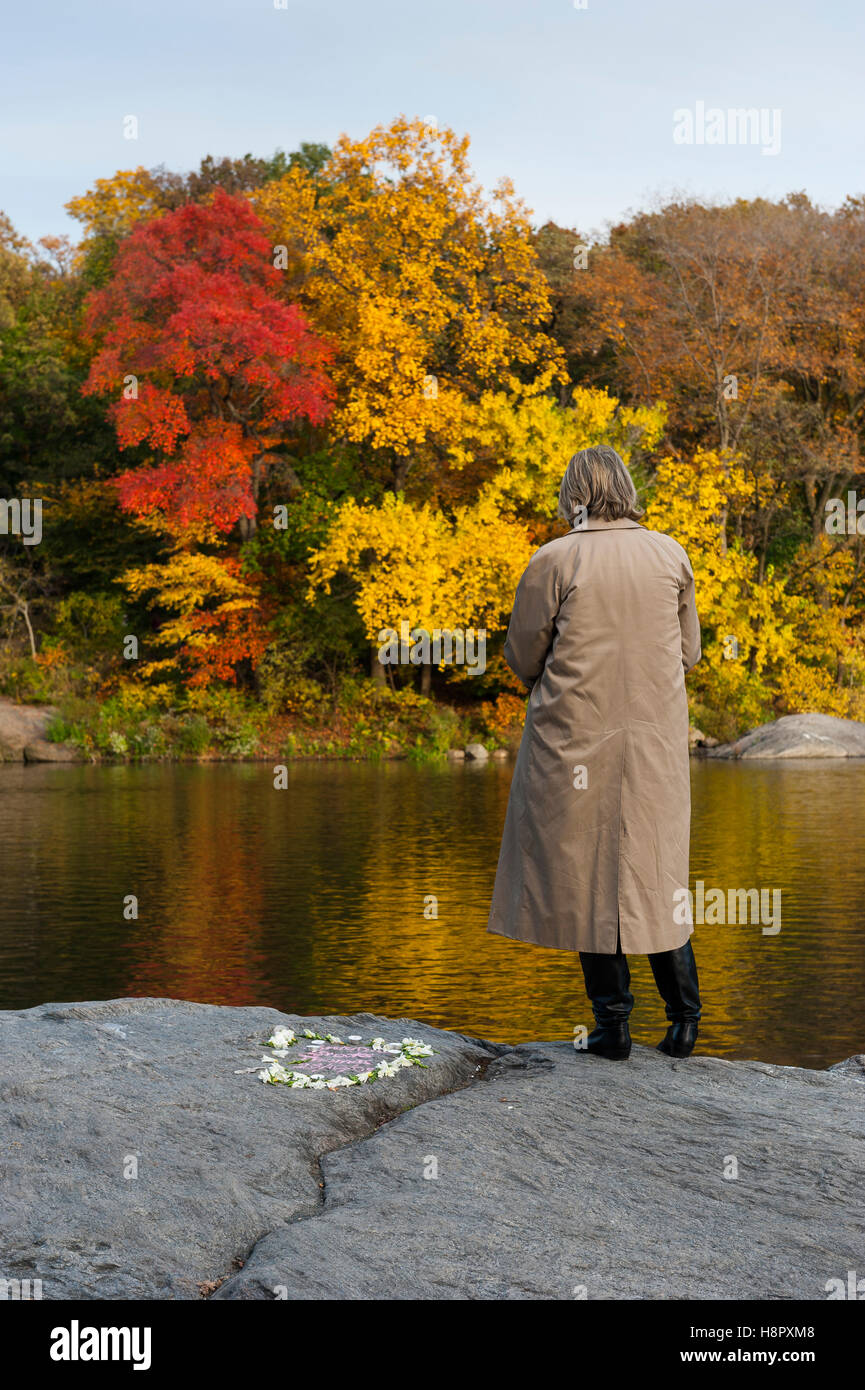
column 595, row 524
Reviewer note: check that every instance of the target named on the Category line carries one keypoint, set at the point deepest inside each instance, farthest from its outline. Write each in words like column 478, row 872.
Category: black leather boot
column 675, row 975
column 607, row 980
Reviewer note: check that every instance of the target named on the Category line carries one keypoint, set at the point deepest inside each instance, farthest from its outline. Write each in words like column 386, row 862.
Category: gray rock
column 799, row 736
column 496, row 1173
column 20, row 725
column 89, row 1089
column 456, row 755
column 852, row 1066
column 500, row 754
column 477, row 752
column 40, row 751
column 562, row 1176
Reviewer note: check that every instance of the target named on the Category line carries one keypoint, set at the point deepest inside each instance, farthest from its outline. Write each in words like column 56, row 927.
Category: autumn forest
column 277, row 406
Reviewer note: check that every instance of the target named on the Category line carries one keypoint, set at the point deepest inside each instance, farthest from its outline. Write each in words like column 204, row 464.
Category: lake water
column 311, row 899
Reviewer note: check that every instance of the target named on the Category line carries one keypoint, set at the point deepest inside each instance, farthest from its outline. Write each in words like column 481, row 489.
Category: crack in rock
column 154, row 1166
column 562, row 1176
column 144, row 1178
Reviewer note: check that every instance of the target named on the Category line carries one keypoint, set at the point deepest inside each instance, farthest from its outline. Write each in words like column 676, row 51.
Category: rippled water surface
column 312, row 899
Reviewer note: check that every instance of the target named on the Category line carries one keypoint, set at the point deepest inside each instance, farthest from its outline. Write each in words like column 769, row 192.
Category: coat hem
column 531, row 940
column 575, row 950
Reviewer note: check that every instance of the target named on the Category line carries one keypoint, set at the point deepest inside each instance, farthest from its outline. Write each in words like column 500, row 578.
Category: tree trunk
column 249, row 524
column 376, row 670
column 24, row 609
column 400, row 470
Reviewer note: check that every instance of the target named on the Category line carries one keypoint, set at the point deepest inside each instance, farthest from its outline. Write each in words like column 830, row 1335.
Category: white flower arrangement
column 407, row 1053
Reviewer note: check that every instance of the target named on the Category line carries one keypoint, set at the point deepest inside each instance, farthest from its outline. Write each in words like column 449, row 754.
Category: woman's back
column 620, row 593
column 595, row 845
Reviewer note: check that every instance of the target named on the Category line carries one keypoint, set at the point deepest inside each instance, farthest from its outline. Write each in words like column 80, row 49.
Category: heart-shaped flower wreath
column 332, row 1051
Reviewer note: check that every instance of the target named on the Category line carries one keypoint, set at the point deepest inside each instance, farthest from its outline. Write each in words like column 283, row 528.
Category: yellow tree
column 217, row 616
column 517, row 448
column 431, row 294
column 109, row 210
column 773, row 644
column 416, row 569
column 827, row 672
column 115, row 205
column 457, row 566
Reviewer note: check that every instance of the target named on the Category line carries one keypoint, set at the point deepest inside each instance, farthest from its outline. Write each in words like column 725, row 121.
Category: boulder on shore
column 143, row 1158
column 23, row 736
column 20, row 725
column 798, row 736
column 41, row 751
column 697, row 740
column 476, row 752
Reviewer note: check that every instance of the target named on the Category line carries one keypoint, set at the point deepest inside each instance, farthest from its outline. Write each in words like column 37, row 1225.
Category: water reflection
column 312, row 899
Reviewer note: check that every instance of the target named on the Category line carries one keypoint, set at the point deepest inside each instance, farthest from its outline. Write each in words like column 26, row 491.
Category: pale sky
column 575, row 105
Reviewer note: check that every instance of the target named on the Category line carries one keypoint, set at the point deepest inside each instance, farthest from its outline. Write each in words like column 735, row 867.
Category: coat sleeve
column 689, row 623
column 530, row 631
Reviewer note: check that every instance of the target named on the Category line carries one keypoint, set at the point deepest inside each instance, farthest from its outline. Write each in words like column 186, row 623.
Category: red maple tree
column 210, row 365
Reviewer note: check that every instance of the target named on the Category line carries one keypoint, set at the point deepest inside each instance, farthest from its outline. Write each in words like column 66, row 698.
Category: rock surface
column 222, row 1160
column 798, row 736
column 498, row 1173
column 477, row 752
column 20, row 725
column 41, row 751
column 697, row 740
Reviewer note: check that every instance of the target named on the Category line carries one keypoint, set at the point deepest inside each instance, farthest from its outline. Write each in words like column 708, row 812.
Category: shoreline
column 40, row 734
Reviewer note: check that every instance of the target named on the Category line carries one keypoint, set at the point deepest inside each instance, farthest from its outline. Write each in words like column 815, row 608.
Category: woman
column 594, row 854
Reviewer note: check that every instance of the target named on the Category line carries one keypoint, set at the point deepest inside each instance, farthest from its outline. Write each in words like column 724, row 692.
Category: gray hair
column 598, row 480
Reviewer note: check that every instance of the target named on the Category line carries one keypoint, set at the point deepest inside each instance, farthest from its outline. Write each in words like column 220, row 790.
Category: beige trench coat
column 603, row 629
